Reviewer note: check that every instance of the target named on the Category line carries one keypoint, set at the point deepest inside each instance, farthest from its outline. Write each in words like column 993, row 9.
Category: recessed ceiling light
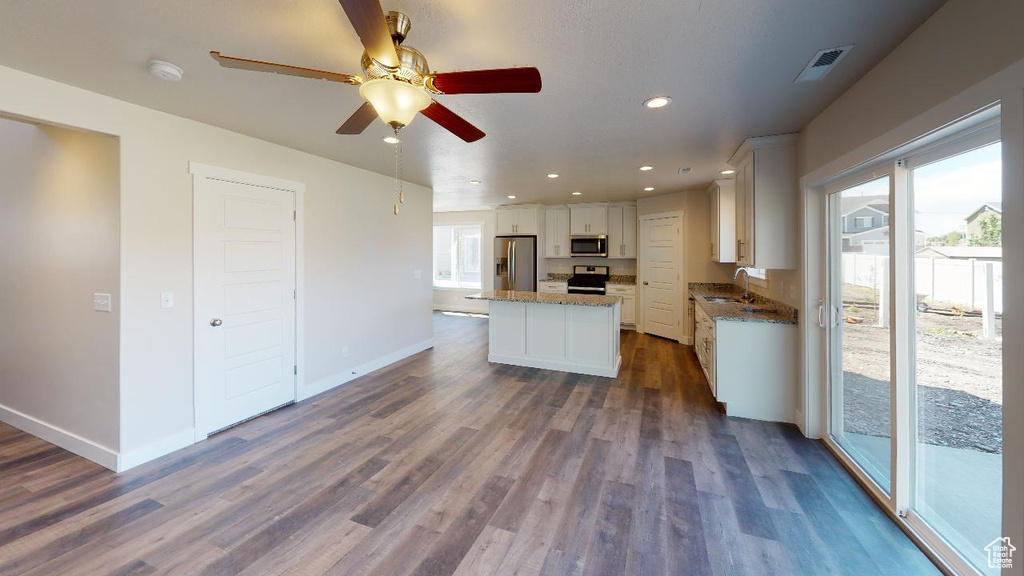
column 165, row 70
column 391, row 139
column 474, row 182
column 727, row 172
column 649, row 189
column 646, row 168
column 511, row 196
column 552, row 175
column 577, row 193
column 657, row 102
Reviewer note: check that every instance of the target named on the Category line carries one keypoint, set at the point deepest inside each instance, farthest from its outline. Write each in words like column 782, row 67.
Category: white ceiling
column 727, row 64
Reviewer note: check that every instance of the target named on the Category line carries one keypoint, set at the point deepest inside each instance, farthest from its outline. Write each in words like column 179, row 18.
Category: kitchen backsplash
column 623, row 267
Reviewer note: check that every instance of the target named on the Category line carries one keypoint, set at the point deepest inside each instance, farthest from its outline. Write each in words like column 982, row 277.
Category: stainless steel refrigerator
column 515, row 266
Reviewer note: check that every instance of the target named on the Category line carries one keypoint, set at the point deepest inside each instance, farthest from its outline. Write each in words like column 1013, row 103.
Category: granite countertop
column 545, row 298
column 556, row 278
column 613, row 279
column 766, row 310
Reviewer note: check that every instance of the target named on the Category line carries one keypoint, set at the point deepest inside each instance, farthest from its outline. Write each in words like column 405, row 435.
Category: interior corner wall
column 367, row 272
column 454, row 299
column 59, row 246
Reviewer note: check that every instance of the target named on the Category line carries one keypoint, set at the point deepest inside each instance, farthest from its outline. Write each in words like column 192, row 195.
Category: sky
column 947, row 191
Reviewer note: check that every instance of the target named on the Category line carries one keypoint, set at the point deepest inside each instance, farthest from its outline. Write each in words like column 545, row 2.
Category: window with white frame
column 457, row 257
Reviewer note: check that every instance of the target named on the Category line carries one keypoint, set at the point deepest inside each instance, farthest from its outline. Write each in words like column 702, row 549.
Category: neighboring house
column 865, row 219
column 980, row 253
column 984, row 212
column 876, row 241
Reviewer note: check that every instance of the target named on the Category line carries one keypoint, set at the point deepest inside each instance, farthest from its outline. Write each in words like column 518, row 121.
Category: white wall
column 453, row 299
column 59, row 246
column 360, row 259
column 966, row 56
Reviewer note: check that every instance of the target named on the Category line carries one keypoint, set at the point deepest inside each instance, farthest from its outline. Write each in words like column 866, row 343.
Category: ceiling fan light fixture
column 396, row 102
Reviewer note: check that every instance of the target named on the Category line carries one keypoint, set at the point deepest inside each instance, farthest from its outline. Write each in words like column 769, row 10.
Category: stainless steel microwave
column 589, row 246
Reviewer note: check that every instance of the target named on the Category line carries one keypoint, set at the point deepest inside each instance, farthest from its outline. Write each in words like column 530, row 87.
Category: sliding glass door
column 914, row 318
column 957, row 347
column 860, row 337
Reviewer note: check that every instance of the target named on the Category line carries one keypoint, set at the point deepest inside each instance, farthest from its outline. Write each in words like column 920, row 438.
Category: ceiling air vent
column 822, row 63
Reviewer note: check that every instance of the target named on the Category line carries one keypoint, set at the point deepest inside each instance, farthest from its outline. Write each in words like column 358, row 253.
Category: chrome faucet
column 746, row 286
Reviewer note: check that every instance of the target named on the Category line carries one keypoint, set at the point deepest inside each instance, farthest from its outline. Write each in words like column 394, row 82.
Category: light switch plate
column 167, row 299
column 417, row 274
column 101, row 302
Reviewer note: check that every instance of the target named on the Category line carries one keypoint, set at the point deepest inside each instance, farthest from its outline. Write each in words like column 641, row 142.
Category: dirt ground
column 959, row 375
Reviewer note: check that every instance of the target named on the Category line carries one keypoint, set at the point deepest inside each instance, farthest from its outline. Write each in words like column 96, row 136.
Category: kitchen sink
column 756, row 309
column 722, row 299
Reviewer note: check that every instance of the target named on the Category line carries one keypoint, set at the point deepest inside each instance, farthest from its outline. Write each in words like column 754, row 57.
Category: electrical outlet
column 167, row 299
column 417, row 274
column 344, row 351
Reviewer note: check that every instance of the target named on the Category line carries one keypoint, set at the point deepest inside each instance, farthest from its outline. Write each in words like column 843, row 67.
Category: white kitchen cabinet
column 553, row 287
column 519, row 220
column 588, row 219
column 767, row 207
column 556, row 221
column 622, row 231
column 627, row 295
column 722, row 195
column 750, row 367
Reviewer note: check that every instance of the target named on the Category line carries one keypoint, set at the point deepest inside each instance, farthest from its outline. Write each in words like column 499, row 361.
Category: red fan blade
column 504, row 80
column 261, row 66
column 452, row 122
column 359, row 121
column 367, row 18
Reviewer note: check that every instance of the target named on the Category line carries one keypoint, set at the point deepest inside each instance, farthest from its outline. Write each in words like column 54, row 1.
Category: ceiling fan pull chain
column 398, row 178
column 401, row 193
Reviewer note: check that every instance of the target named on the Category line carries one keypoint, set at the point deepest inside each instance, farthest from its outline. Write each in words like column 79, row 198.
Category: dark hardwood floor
column 445, row 464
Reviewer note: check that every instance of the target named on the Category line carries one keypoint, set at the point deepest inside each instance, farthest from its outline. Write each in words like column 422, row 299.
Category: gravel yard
column 959, row 376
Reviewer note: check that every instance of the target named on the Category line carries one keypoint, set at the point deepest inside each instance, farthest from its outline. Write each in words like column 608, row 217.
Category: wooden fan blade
column 261, row 66
column 503, row 80
column 359, row 121
column 367, row 18
column 452, row 122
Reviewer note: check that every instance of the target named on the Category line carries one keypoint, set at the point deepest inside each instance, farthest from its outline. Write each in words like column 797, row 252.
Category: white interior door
column 661, row 276
column 244, row 301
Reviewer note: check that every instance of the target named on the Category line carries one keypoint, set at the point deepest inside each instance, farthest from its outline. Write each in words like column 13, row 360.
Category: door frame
column 683, row 310
column 200, row 172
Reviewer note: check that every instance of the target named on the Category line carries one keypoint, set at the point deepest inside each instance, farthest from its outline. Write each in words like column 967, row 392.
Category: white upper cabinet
column 622, row 225
column 767, row 207
column 588, row 219
column 722, row 195
column 556, row 219
column 518, row 220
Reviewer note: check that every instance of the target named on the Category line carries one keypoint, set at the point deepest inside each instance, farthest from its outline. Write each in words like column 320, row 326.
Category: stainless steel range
column 588, row 280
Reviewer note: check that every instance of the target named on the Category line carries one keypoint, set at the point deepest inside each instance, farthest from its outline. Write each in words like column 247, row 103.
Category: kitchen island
column 576, row 333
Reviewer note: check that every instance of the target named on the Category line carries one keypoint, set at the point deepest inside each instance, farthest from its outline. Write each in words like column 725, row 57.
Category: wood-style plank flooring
column 445, row 464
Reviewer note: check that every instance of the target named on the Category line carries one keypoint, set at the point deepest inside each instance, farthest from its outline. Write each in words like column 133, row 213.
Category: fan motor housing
column 412, row 66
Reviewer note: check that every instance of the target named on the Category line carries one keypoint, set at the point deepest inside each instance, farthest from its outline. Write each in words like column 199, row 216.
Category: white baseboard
column 320, row 386
column 557, row 366
column 154, row 450
column 69, row 441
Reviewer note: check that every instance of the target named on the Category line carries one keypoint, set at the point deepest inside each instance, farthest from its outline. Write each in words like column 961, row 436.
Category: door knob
column 216, row 322
column 645, row 282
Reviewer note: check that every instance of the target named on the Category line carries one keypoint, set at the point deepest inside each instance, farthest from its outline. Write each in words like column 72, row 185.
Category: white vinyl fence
column 964, row 283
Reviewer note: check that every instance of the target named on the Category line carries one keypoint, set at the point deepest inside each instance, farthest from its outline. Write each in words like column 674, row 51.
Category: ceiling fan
column 396, row 82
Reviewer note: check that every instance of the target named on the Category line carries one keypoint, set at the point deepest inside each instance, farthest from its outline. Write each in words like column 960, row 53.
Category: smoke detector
column 165, row 70
column 822, row 63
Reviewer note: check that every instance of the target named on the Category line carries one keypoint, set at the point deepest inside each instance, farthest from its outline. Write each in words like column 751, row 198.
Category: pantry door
column 245, row 298
column 660, row 275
